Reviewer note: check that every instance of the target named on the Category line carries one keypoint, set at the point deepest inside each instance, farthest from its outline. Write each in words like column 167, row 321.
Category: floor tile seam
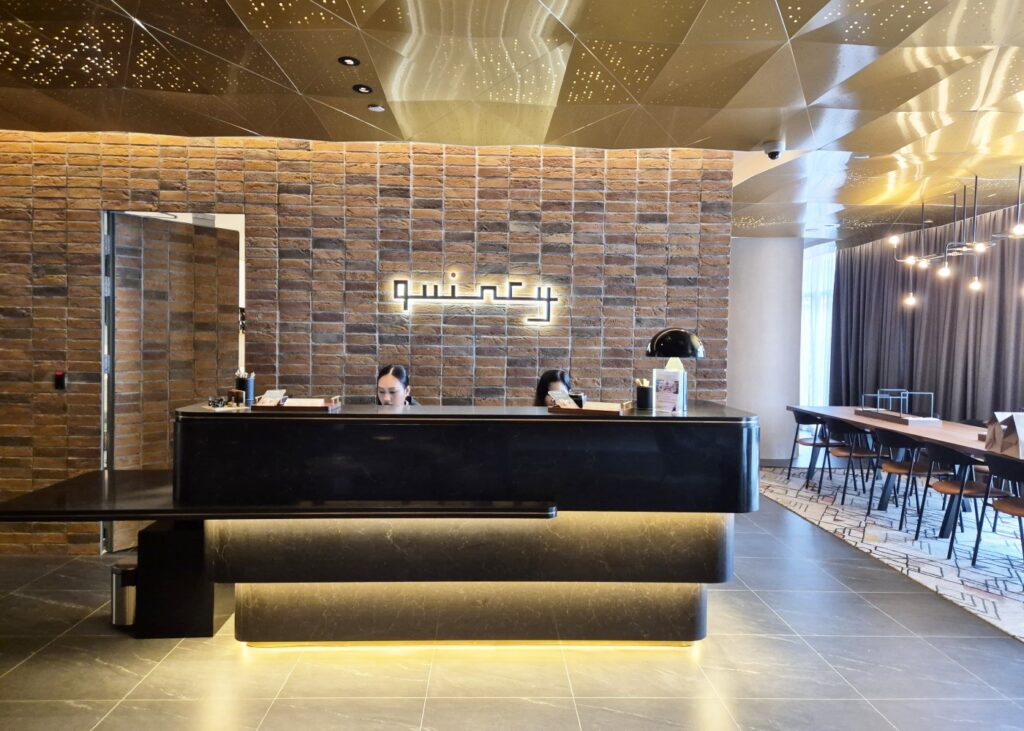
column 788, row 699
column 43, row 576
column 281, row 687
column 824, row 660
column 537, row 696
column 924, row 638
column 568, row 675
column 30, row 592
column 26, row 701
column 718, row 696
column 933, row 699
column 542, row 696
column 923, row 589
column 140, row 682
column 965, row 668
column 51, row 641
column 195, row 699
column 426, row 692
column 912, row 633
column 700, row 697
column 817, row 634
column 806, row 591
column 430, row 670
column 711, row 684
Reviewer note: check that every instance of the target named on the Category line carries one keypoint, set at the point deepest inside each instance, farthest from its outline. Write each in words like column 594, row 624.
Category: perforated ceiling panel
column 880, row 103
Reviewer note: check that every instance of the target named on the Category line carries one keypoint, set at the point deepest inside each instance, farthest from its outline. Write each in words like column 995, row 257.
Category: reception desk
column 496, row 523
column 429, row 523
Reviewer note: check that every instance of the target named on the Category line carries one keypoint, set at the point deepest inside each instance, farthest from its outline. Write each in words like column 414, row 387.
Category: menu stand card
column 1004, row 434
column 669, row 391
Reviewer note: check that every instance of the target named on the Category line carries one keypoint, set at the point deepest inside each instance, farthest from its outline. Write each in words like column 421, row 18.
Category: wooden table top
column 961, row 437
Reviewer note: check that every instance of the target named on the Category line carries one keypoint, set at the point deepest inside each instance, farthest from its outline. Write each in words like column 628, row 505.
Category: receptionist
column 551, row 382
column 393, row 386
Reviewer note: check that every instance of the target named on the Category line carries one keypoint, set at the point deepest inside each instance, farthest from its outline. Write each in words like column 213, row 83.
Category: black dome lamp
column 674, row 343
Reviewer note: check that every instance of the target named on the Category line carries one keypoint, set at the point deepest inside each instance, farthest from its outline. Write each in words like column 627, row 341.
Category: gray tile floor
column 811, row 634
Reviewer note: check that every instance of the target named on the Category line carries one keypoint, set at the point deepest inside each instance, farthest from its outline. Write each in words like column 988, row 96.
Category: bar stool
column 817, row 442
column 854, row 448
column 1005, row 470
column 896, row 467
column 954, row 490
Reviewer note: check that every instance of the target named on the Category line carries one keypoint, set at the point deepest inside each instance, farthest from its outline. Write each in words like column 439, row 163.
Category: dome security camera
column 773, row 148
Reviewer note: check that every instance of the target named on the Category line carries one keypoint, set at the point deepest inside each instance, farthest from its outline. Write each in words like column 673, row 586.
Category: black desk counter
column 705, row 460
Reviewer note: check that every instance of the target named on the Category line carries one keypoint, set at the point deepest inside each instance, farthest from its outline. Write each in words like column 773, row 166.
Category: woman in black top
column 393, row 386
column 555, row 380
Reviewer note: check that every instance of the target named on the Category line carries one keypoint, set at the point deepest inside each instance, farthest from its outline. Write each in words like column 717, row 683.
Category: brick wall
column 632, row 240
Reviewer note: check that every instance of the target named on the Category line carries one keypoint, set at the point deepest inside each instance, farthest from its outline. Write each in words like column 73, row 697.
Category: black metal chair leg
column 957, row 504
column 920, row 513
column 821, row 473
column 792, row 452
column 849, row 468
column 977, row 540
column 906, row 502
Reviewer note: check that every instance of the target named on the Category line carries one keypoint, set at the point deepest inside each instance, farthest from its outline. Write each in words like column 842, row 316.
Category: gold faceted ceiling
column 880, row 104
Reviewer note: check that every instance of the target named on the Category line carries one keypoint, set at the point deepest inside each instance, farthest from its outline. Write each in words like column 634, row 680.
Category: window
column 816, row 323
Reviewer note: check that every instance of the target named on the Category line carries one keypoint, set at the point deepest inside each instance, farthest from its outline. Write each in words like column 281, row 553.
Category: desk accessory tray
column 595, row 408
column 302, row 406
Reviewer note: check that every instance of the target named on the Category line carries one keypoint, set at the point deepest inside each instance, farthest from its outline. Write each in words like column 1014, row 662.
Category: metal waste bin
column 122, row 594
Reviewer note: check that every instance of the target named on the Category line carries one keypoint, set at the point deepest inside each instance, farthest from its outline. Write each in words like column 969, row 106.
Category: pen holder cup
column 644, row 398
column 248, row 385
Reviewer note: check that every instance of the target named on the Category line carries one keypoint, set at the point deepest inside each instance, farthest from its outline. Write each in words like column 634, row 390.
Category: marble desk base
column 583, row 576
column 470, row 611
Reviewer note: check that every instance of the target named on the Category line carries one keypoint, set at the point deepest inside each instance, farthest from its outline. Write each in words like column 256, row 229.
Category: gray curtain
column 964, row 346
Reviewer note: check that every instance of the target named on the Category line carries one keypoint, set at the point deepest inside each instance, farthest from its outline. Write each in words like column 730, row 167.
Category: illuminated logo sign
column 405, row 292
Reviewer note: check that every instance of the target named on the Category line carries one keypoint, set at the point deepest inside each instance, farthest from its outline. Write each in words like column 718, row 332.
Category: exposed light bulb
column 975, row 285
column 910, row 300
column 911, row 260
column 1017, row 230
column 923, row 264
column 980, row 246
column 894, row 240
column 945, row 271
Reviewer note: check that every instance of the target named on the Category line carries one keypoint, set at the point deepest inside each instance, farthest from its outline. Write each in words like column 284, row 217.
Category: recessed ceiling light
column 861, row 157
column 375, row 107
column 362, row 89
column 348, row 61
column 929, row 220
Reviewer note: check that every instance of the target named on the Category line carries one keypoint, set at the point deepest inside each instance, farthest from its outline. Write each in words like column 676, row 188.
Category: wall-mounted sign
column 405, row 292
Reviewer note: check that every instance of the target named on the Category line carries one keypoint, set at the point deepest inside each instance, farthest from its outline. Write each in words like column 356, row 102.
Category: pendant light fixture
column 965, row 241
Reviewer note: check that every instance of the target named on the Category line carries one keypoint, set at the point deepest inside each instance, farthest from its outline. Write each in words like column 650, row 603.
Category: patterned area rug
column 994, row 589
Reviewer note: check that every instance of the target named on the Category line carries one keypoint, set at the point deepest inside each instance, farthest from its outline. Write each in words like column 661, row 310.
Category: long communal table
column 961, row 437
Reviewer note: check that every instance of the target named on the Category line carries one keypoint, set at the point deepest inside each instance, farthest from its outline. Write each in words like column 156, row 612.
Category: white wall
column 764, row 336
